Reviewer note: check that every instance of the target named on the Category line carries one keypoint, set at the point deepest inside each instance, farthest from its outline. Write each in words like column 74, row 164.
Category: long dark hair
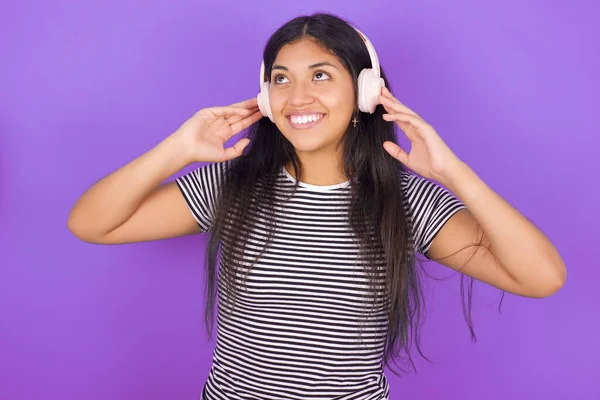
column 381, row 227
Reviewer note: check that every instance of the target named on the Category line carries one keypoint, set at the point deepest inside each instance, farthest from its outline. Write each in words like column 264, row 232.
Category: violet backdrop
column 86, row 87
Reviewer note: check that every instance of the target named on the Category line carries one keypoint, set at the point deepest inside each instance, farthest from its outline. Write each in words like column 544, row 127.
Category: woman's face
column 311, row 96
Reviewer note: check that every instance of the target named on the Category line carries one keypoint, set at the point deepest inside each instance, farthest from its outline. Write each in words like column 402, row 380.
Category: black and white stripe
column 299, row 331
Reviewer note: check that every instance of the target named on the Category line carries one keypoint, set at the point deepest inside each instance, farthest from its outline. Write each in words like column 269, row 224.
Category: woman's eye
column 321, row 74
column 277, row 78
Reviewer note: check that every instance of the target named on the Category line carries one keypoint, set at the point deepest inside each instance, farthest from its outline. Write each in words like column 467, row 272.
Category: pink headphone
column 369, row 85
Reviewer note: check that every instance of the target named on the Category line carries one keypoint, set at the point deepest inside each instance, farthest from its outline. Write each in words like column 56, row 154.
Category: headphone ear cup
column 263, row 101
column 263, row 97
column 369, row 88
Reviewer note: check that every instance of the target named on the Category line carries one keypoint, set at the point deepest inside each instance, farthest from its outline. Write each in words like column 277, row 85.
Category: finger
column 407, row 123
column 250, row 103
column 408, row 118
column 239, row 126
column 235, row 150
column 386, row 94
column 396, row 106
column 235, row 118
column 396, row 151
column 228, row 111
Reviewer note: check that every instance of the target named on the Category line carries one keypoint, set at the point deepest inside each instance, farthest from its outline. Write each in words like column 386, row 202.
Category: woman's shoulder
column 419, row 190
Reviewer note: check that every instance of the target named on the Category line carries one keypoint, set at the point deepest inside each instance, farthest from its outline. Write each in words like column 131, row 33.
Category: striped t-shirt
column 296, row 331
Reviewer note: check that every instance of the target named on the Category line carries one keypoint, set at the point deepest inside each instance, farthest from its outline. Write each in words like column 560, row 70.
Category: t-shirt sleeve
column 430, row 206
column 199, row 188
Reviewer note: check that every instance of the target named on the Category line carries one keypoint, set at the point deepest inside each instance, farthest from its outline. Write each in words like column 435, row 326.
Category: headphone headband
column 372, row 53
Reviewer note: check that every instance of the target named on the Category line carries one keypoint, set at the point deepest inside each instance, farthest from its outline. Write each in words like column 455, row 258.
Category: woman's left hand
column 429, row 156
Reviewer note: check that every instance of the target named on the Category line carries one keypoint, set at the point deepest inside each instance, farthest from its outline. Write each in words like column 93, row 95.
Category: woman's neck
column 318, row 171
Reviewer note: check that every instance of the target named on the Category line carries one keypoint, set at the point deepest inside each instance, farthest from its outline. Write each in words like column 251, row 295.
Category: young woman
column 317, row 217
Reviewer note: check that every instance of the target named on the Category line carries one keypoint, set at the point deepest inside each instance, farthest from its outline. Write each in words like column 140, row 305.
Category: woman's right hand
column 133, row 203
column 205, row 133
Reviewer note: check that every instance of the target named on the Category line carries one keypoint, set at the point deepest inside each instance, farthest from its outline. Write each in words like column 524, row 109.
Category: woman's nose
column 301, row 95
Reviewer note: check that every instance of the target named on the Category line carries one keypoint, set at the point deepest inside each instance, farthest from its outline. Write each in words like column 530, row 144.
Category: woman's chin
column 311, row 140
column 311, row 145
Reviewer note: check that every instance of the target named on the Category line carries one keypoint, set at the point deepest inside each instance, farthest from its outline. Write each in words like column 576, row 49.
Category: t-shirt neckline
column 320, row 188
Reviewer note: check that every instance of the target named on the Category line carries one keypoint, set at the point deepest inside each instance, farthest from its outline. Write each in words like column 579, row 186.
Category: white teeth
column 305, row 118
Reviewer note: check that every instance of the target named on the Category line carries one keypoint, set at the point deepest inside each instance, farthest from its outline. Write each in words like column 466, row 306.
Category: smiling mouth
column 305, row 121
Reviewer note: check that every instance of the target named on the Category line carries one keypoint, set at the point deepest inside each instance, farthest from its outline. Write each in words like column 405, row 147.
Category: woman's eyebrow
column 317, row 65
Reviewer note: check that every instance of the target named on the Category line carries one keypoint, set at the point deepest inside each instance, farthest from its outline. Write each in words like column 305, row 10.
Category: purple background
column 88, row 86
